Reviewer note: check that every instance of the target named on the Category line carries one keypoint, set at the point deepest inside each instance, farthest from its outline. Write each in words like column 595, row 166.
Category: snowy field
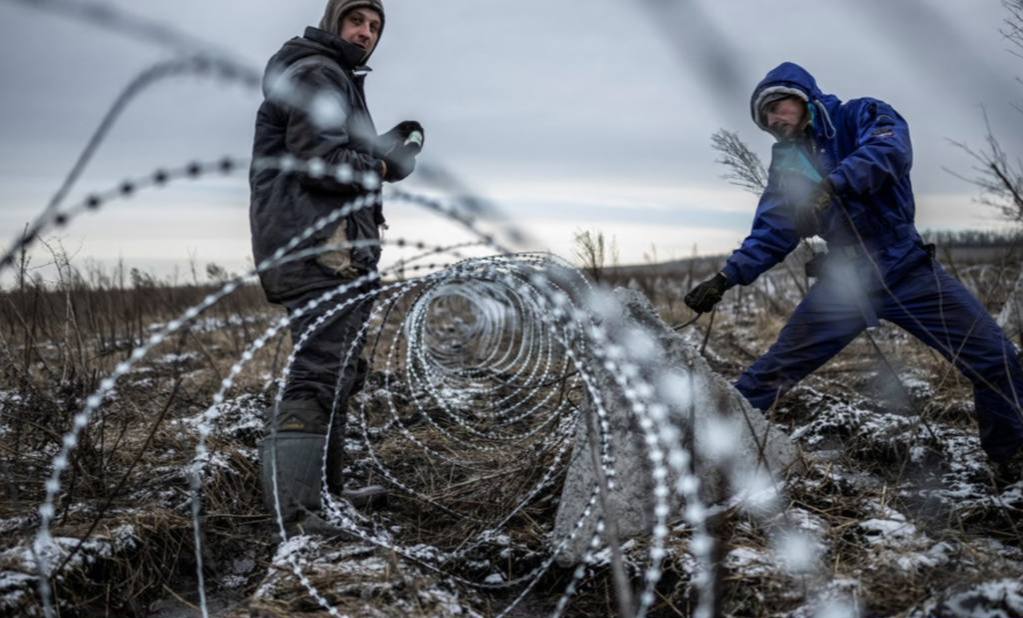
column 893, row 514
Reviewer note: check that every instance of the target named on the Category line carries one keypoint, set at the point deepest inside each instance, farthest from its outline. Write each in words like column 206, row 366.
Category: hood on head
column 314, row 42
column 788, row 79
column 336, row 9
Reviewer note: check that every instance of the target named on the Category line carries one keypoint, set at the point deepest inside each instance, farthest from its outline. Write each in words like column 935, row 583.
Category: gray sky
column 570, row 115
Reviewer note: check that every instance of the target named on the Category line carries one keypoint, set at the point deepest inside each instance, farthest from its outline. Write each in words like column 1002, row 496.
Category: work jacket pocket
column 338, row 258
column 354, row 246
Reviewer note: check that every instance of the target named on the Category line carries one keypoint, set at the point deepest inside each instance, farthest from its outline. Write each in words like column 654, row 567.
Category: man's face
column 361, row 27
column 786, row 118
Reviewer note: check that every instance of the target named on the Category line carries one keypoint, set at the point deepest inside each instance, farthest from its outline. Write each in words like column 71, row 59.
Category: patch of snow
column 807, row 521
column 478, row 565
column 233, row 582
column 889, row 529
column 125, row 537
column 798, row 552
column 994, row 599
column 966, row 486
column 294, row 551
column 426, row 553
column 494, row 578
column 444, row 603
column 209, row 461
column 749, row 562
column 842, row 421
column 835, row 599
column 603, row 557
column 9, row 399
column 18, row 579
column 15, row 590
column 938, row 555
column 241, row 418
column 855, row 480
column 1003, row 551
column 210, row 324
column 918, row 384
column 363, row 576
column 14, row 524
column 178, row 359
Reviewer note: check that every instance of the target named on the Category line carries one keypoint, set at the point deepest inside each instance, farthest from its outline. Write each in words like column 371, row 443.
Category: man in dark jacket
column 315, row 111
column 842, row 171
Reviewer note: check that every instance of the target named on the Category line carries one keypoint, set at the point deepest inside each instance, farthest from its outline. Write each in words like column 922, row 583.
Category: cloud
column 571, row 115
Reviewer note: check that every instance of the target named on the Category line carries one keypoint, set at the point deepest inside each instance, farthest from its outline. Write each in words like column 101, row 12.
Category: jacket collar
column 348, row 55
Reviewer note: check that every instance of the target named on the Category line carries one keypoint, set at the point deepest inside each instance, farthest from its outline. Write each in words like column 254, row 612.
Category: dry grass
column 128, row 468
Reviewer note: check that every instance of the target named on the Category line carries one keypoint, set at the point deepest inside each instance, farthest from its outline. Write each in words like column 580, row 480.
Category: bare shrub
column 595, row 253
column 745, row 170
column 999, row 177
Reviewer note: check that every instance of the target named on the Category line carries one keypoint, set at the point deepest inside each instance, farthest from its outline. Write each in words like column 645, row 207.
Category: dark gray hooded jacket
column 321, row 71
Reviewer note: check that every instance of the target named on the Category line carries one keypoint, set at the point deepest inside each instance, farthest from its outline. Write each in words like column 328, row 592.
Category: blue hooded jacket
column 863, row 147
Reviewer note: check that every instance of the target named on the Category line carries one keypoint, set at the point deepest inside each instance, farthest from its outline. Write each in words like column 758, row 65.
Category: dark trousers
column 927, row 302
column 328, row 368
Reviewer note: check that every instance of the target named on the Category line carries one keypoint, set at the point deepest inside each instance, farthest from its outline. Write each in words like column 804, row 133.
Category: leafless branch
column 594, row 253
column 999, row 179
column 1013, row 25
column 745, row 170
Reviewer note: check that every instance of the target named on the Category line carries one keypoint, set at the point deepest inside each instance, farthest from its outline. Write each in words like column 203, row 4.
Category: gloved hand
column 809, row 214
column 403, row 133
column 703, row 297
column 399, row 147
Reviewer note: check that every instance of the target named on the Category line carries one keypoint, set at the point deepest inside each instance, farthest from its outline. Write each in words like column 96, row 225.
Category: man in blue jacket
column 841, row 170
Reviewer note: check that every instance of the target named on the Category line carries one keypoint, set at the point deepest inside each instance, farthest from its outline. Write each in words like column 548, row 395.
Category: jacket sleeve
column 319, row 129
column 773, row 237
column 883, row 150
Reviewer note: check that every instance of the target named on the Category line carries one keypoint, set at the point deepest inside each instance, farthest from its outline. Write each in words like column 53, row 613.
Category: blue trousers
column 925, row 301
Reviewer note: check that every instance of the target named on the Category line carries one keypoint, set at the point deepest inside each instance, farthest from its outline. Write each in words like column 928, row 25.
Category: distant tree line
column 974, row 238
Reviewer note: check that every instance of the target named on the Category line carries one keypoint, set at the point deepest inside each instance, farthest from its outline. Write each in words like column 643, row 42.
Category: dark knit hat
column 336, row 9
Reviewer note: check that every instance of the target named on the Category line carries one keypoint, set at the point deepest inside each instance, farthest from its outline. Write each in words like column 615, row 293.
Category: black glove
column 809, row 214
column 403, row 133
column 703, row 297
column 399, row 147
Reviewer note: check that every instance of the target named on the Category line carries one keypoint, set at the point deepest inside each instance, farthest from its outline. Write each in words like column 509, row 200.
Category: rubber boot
column 298, row 458
column 297, row 453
